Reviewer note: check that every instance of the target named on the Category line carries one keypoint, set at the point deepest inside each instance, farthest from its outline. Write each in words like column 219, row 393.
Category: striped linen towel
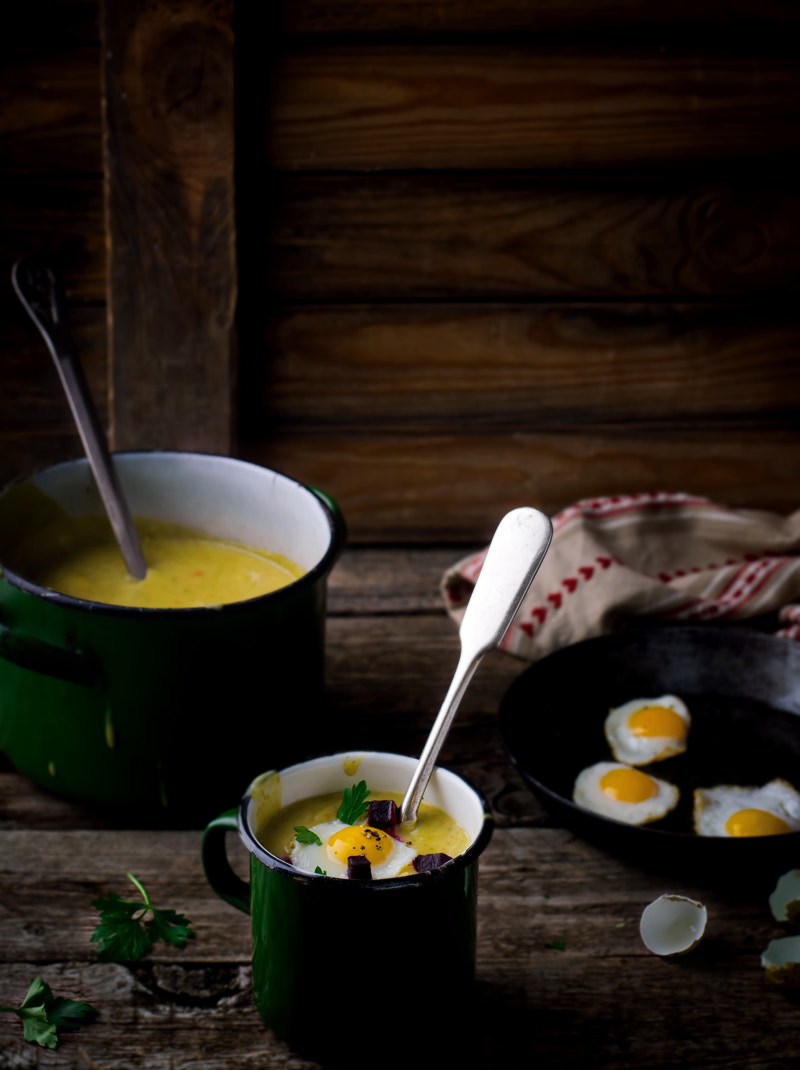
column 669, row 556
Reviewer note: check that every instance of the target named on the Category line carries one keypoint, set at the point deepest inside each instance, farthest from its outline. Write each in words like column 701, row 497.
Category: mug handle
column 217, row 868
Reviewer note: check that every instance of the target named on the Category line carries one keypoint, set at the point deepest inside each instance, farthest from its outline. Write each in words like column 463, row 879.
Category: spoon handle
column 512, row 560
column 37, row 288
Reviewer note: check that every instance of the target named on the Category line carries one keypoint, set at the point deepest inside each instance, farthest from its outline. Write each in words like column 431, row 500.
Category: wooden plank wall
column 509, row 252
column 51, row 205
column 117, row 166
column 488, row 253
column 168, row 78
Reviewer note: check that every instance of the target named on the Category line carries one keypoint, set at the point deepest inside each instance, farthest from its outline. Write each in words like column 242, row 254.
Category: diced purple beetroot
column 382, row 814
column 359, row 868
column 425, row 863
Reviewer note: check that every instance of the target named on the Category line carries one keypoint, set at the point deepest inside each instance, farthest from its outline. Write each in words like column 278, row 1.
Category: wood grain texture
column 505, row 108
column 523, row 272
column 37, row 428
column 169, row 155
column 51, row 205
column 56, row 24
column 405, row 19
column 51, row 112
column 58, row 218
column 521, row 237
column 376, row 581
column 572, row 1007
column 595, row 151
column 563, row 980
column 433, row 487
column 460, row 368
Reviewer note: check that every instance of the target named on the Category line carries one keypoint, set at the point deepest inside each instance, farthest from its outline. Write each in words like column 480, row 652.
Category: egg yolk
column 657, row 721
column 627, row 785
column 359, row 840
column 755, row 823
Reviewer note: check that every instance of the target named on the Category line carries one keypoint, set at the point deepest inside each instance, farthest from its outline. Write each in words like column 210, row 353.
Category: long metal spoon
column 512, row 560
column 38, row 289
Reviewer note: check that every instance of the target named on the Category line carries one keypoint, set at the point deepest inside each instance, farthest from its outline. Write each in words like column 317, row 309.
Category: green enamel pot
column 347, row 967
column 130, row 707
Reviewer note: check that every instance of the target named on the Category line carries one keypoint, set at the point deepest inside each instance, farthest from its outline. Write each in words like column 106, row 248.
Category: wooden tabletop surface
column 563, row 979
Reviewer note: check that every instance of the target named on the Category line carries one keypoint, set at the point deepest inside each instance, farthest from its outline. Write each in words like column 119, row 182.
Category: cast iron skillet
column 742, row 688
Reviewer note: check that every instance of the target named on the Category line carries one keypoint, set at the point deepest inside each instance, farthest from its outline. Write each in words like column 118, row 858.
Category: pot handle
column 217, row 868
column 75, row 666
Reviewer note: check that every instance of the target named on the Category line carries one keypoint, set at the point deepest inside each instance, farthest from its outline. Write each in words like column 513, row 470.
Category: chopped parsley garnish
column 305, row 835
column 122, row 933
column 354, row 803
column 42, row 1014
column 322, row 872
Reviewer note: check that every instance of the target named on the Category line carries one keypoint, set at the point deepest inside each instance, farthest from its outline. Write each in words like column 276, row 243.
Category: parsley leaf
column 42, row 1014
column 354, row 803
column 305, row 835
column 169, row 926
column 122, row 933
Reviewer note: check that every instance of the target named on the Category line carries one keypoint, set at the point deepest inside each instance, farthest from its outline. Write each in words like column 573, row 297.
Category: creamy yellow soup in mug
column 309, row 835
column 185, row 568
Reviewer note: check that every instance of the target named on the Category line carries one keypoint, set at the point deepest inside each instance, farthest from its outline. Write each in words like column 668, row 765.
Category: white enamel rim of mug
column 386, row 772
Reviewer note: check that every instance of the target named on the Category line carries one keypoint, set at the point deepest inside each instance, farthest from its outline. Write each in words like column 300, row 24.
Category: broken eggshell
column 672, row 925
column 781, row 961
column 785, row 900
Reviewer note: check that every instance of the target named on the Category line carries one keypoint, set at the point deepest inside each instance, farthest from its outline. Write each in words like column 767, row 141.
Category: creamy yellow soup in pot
column 311, row 835
column 185, row 568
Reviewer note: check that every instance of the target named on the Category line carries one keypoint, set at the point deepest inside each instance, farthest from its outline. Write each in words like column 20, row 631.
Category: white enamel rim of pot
column 219, row 496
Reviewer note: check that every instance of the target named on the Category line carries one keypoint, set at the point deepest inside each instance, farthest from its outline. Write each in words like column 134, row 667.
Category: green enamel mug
column 127, row 707
column 339, row 965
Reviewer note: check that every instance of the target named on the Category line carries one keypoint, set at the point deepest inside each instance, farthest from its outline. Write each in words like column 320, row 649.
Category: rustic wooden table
column 563, row 979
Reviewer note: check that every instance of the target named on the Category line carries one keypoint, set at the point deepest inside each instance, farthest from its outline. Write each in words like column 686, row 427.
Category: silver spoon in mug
column 515, row 553
column 37, row 287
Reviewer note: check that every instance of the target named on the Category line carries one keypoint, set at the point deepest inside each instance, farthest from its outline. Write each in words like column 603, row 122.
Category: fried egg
column 387, row 856
column 729, row 810
column 623, row 793
column 648, row 730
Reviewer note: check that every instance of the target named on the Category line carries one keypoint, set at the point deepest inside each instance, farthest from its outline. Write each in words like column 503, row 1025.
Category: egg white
column 309, row 856
column 634, row 749
column 588, row 794
column 713, row 806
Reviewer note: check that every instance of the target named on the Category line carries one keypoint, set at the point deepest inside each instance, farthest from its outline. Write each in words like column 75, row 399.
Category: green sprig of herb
column 354, row 803
column 42, row 1014
column 304, row 835
column 123, row 935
